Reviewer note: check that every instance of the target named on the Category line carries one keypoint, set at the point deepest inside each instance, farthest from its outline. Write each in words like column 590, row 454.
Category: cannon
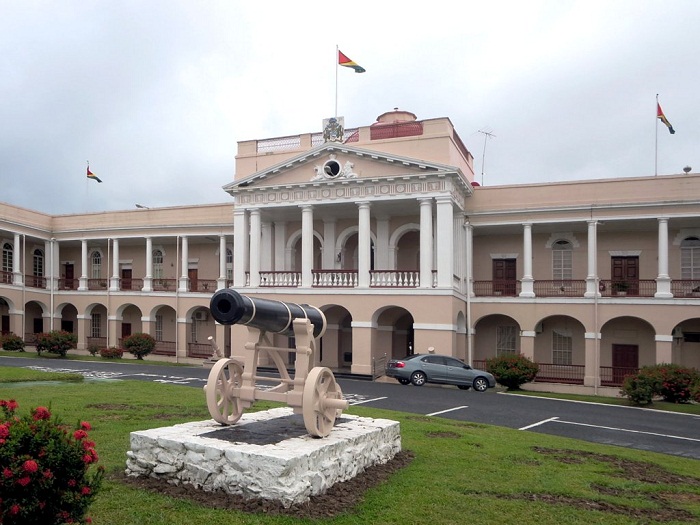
column 231, row 386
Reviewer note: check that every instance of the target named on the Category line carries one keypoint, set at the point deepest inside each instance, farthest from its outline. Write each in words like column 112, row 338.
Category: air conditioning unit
column 200, row 315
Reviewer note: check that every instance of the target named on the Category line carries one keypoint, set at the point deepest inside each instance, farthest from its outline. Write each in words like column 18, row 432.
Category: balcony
column 560, row 288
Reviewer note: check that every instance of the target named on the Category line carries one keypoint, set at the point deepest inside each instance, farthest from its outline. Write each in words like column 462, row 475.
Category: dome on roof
column 395, row 116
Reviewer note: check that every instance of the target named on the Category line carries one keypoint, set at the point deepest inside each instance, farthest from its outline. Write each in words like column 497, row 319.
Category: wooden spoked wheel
column 223, row 402
column 322, row 402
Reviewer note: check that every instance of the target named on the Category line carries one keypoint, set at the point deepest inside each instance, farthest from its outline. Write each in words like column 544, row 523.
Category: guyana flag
column 346, row 62
column 91, row 175
column 660, row 115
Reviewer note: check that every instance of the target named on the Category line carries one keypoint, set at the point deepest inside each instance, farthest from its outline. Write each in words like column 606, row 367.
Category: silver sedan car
column 432, row 368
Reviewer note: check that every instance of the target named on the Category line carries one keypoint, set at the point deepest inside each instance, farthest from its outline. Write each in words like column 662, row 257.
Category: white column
column 185, row 265
column 364, row 245
column 83, row 284
column 114, row 281
column 663, row 281
column 330, row 259
column 280, row 242
column 445, row 242
column 221, row 281
column 148, row 278
column 426, row 243
column 527, row 282
column 240, row 247
column 17, row 254
column 381, row 249
column 266, row 246
column 255, row 233
column 592, row 277
column 469, row 263
column 50, row 273
column 307, row 245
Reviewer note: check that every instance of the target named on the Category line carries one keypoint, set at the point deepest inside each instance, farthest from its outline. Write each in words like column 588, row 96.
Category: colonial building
column 385, row 230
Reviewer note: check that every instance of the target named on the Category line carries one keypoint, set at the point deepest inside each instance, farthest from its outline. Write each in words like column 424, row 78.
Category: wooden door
column 504, row 276
column 70, row 275
column 126, row 279
column 193, row 276
column 625, row 361
column 624, row 274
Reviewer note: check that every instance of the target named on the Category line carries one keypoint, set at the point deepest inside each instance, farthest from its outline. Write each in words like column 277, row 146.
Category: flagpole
column 336, row 81
column 656, row 139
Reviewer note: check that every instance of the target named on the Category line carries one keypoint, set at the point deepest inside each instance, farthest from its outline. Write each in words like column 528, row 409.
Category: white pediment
column 333, row 163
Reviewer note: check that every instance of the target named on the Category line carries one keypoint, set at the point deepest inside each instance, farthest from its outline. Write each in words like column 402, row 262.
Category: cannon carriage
column 231, row 386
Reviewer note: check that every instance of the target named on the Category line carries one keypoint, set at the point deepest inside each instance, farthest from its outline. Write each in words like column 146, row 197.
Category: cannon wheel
column 224, row 406
column 319, row 416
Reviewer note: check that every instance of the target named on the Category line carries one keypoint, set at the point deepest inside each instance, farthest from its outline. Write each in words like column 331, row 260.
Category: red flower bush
column 46, row 469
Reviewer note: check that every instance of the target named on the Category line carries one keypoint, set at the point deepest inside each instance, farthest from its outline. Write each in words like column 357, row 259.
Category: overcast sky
column 156, row 94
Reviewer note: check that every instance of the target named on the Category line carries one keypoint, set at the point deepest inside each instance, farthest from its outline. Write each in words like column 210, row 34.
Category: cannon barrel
column 229, row 307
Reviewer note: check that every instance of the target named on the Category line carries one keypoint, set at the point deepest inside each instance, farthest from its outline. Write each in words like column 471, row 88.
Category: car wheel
column 418, row 378
column 463, row 387
column 480, row 384
column 403, row 381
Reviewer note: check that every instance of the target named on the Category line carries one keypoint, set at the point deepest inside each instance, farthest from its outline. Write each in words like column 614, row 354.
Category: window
column 157, row 264
column 96, row 270
column 690, row 259
column 193, row 331
column 229, row 264
column 38, row 264
column 7, row 257
column 505, row 340
column 96, row 325
column 562, row 348
column 159, row 327
column 561, row 261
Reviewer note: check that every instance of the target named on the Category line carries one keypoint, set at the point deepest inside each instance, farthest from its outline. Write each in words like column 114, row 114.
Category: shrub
column 671, row 382
column 112, row 352
column 695, row 392
column 56, row 342
column 12, row 343
column 139, row 344
column 93, row 349
column 512, row 370
column 640, row 389
column 46, row 469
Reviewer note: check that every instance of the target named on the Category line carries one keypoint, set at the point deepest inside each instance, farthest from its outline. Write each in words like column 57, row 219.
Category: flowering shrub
column 139, row 344
column 56, row 342
column 674, row 383
column 112, row 352
column 12, row 343
column 512, row 370
column 45, row 469
column 93, row 349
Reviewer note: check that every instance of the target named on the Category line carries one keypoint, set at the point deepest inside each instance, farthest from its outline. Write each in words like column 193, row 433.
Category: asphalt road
column 664, row 432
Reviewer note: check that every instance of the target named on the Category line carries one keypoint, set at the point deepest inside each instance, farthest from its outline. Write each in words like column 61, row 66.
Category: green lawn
column 461, row 472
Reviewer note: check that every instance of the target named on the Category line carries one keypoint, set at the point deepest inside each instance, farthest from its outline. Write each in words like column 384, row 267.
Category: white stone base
column 264, row 455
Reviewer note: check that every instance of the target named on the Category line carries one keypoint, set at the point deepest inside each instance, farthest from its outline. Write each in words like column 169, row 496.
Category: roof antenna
column 486, row 134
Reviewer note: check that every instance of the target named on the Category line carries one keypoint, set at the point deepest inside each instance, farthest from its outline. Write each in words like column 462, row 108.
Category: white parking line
column 539, row 423
column 367, row 401
column 627, row 430
column 448, row 410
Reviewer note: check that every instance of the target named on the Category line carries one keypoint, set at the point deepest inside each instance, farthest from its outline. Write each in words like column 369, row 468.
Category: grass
column 461, row 471
column 684, row 408
column 20, row 375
